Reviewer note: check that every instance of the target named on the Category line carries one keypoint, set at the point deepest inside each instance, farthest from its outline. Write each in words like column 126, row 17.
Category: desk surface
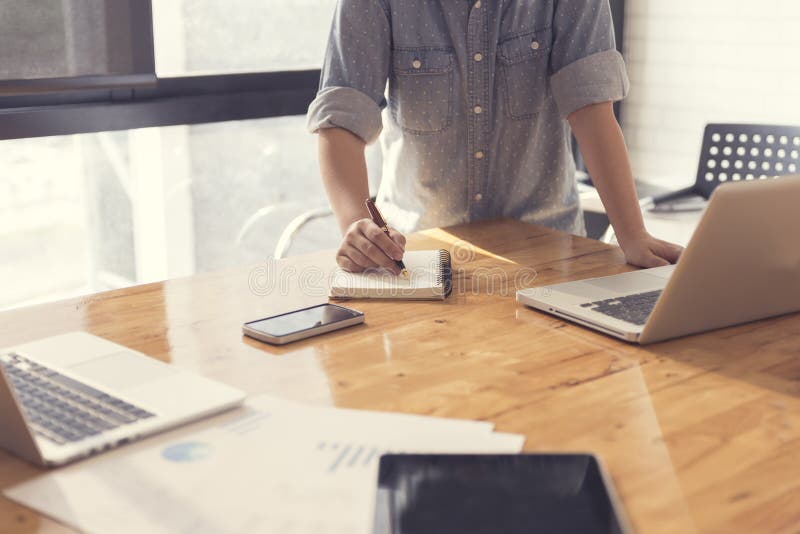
column 699, row 434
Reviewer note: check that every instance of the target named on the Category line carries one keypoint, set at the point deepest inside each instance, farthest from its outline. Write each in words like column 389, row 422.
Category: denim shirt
column 470, row 100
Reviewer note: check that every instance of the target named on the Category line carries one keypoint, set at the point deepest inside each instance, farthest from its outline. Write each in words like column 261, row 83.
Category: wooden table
column 700, row 434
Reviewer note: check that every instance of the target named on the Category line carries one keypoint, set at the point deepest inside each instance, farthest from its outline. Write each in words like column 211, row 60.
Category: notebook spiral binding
column 445, row 276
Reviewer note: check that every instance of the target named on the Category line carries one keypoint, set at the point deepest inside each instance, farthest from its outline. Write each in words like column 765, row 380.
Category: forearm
column 606, row 156
column 344, row 173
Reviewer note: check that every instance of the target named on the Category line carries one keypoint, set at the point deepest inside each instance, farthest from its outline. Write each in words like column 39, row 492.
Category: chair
column 302, row 214
column 739, row 152
column 289, row 232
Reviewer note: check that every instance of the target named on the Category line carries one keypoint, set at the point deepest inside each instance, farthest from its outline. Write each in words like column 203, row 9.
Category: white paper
column 424, row 279
column 280, row 467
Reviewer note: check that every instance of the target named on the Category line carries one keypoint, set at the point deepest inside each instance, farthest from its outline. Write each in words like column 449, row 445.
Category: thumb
column 669, row 252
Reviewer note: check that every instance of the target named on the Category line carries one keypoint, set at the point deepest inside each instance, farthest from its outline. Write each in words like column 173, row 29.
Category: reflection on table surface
column 698, row 434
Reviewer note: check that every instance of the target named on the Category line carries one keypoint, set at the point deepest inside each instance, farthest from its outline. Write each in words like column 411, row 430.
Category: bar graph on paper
column 345, row 456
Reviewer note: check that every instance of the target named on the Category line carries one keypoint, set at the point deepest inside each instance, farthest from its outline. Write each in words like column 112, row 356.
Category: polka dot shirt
column 469, row 101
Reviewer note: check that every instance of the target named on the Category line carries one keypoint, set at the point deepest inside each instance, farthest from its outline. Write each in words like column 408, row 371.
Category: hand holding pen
column 367, row 246
column 377, row 218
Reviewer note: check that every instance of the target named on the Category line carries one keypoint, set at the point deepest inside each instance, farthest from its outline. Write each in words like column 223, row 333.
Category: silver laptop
column 70, row 396
column 742, row 264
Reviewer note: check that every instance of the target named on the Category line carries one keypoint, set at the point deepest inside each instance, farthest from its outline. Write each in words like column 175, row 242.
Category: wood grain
column 700, row 434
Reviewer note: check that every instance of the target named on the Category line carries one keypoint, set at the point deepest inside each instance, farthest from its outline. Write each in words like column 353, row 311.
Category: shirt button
column 535, row 45
column 478, row 197
column 478, row 57
column 416, row 64
column 479, row 154
column 478, row 110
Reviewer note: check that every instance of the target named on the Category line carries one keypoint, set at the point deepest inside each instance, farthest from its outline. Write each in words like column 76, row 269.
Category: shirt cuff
column 348, row 108
column 597, row 78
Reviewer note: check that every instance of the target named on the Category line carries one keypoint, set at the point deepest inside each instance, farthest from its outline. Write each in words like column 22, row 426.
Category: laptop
column 70, row 396
column 742, row 264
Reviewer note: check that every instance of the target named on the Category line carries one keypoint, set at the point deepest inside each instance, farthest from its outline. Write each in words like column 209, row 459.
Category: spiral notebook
column 430, row 278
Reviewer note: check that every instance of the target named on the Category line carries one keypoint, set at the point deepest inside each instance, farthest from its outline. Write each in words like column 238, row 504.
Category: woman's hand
column 603, row 148
column 644, row 250
column 365, row 246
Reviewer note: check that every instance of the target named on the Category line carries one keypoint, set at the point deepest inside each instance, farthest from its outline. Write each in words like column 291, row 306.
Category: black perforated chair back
column 739, row 152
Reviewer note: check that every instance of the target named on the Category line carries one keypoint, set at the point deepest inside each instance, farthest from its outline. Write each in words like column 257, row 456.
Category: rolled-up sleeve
column 585, row 65
column 355, row 71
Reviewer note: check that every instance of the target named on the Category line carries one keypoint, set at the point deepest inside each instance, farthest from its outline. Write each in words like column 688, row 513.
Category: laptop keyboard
column 61, row 409
column 633, row 309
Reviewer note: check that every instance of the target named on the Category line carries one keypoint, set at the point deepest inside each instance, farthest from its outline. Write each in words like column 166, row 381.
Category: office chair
column 736, row 152
column 300, row 214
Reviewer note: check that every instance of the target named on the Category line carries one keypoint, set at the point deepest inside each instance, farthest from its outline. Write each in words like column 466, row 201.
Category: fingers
column 372, row 252
column 646, row 260
column 398, row 238
column 648, row 252
column 669, row 251
column 662, row 253
column 357, row 257
column 651, row 260
column 375, row 235
column 646, row 257
column 366, row 246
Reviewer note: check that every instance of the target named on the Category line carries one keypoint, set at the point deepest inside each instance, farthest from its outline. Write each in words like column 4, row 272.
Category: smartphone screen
column 297, row 321
column 491, row 494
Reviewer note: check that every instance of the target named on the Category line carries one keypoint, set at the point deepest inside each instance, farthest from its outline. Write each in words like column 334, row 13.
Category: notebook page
column 425, row 279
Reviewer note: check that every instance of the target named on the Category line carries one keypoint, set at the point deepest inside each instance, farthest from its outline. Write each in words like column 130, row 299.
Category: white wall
column 692, row 62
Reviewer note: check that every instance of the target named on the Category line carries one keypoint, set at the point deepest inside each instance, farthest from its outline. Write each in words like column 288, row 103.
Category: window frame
column 173, row 101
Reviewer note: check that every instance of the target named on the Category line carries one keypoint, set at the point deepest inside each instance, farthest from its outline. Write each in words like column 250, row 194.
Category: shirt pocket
column 421, row 89
column 524, row 62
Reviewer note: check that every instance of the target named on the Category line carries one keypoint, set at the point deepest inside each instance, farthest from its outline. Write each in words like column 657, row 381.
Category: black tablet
column 495, row 494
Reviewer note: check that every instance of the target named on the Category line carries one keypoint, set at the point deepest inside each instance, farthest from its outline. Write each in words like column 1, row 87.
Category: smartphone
column 301, row 324
column 493, row 493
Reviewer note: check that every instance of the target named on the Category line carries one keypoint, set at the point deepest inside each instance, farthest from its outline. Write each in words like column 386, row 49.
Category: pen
column 377, row 218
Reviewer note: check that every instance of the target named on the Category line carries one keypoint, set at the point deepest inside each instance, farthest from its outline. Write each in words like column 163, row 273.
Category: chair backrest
column 736, row 152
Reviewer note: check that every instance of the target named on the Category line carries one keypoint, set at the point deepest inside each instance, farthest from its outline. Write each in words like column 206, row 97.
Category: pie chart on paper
column 187, row 451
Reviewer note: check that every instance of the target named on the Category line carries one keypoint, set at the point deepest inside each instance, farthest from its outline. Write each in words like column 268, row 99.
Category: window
column 50, row 46
column 115, row 182
column 98, row 211
column 212, row 37
column 90, row 212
